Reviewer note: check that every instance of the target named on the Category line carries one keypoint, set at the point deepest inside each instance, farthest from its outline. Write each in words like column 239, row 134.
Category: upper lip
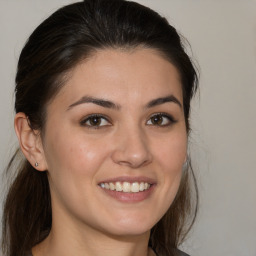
column 130, row 179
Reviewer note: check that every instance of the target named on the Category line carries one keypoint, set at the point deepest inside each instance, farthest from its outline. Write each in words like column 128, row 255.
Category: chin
column 131, row 232
column 131, row 226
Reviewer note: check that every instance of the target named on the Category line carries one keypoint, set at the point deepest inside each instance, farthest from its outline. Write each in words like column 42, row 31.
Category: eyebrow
column 159, row 101
column 108, row 104
column 97, row 101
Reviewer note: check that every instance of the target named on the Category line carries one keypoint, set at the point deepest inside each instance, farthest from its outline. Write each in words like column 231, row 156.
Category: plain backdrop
column 222, row 34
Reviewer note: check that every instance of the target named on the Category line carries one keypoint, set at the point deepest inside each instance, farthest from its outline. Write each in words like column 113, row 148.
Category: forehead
column 120, row 75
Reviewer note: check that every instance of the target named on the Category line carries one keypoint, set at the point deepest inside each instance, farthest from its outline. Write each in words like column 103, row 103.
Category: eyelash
column 170, row 120
column 91, row 117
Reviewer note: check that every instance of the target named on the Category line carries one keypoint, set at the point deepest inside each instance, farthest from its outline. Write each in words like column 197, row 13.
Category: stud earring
column 185, row 165
column 36, row 164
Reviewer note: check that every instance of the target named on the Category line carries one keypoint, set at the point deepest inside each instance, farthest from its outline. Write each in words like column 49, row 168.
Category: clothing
column 180, row 253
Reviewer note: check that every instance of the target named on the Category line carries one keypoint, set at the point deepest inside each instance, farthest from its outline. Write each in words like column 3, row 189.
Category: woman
column 103, row 92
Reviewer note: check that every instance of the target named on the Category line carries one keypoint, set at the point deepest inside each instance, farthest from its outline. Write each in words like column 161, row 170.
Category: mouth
column 126, row 187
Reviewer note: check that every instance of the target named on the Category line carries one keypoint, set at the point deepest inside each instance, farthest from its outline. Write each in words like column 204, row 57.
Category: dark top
column 180, row 253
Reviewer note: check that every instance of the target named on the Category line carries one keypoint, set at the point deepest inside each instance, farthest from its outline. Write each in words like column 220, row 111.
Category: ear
column 30, row 142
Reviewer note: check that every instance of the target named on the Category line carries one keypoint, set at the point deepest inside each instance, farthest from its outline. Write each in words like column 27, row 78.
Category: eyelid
column 87, row 118
column 171, row 119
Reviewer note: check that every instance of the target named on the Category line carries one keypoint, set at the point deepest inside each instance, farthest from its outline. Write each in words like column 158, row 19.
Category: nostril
column 132, row 160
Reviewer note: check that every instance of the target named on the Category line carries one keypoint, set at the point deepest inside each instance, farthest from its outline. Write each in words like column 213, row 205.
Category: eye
column 95, row 121
column 161, row 119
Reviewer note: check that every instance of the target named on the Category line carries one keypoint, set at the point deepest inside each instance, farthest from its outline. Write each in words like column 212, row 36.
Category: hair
column 67, row 37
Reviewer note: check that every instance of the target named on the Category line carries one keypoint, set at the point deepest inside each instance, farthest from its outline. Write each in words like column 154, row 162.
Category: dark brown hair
column 57, row 45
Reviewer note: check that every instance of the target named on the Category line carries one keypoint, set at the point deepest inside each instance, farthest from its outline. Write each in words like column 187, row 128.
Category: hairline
column 62, row 78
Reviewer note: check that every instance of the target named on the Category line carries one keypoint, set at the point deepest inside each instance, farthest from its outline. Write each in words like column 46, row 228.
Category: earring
column 185, row 166
column 36, row 164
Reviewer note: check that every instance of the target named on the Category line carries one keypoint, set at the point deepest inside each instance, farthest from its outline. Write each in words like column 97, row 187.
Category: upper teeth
column 133, row 187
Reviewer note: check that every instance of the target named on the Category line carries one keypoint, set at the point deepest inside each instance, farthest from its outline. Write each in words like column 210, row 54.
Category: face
column 115, row 141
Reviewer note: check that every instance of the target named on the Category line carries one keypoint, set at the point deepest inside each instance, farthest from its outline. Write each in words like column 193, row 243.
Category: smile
column 127, row 187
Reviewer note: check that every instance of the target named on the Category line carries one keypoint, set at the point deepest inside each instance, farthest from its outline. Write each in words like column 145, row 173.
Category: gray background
column 222, row 34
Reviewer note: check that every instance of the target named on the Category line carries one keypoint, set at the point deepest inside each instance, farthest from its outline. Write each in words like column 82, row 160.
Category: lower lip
column 130, row 197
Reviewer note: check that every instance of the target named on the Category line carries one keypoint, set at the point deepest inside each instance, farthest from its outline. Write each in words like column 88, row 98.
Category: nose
column 132, row 149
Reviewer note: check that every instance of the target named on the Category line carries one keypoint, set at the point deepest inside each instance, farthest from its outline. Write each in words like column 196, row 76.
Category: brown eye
column 161, row 120
column 156, row 120
column 95, row 121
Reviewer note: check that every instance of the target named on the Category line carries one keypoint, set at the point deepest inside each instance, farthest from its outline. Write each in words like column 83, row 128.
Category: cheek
column 74, row 163
column 171, row 152
column 170, row 156
column 73, row 155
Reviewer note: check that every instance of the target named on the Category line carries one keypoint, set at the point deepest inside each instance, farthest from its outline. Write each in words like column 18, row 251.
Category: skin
column 77, row 155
